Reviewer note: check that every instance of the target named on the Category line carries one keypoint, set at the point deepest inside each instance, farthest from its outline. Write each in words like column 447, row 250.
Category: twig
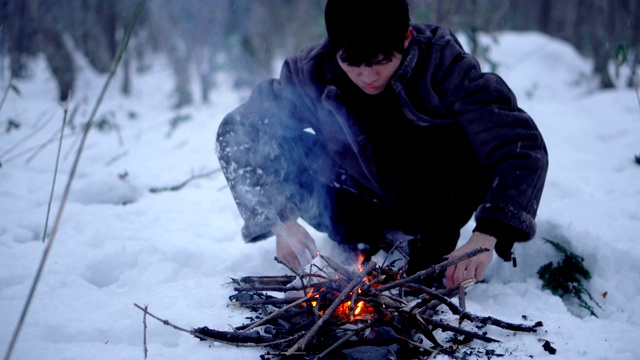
column 6, row 92
column 55, row 169
column 117, row 158
column 483, row 320
column 277, row 259
column 144, row 322
column 488, row 320
column 430, row 271
column 67, row 189
column 345, row 292
column 433, row 351
column 249, row 337
column 26, row 137
column 352, row 304
column 271, row 301
column 274, row 314
column 165, row 322
column 275, row 288
column 156, row 190
column 36, row 149
column 461, row 331
column 298, row 274
column 346, row 273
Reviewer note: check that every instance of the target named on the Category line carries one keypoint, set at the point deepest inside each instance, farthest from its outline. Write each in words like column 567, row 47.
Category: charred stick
column 344, row 339
column 483, row 320
column 220, row 339
column 275, row 288
column 345, row 292
column 424, row 329
column 316, row 275
column 352, row 304
column 370, row 284
column 278, row 320
column 282, row 280
column 488, row 320
column 274, row 314
column 270, row 301
column 234, row 337
column 417, row 277
column 432, row 351
column 457, row 330
column 434, row 295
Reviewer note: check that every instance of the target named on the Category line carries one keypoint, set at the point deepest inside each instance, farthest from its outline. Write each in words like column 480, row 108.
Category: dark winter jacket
column 437, row 83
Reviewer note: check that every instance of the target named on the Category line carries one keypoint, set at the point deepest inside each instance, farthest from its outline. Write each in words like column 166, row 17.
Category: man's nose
column 368, row 74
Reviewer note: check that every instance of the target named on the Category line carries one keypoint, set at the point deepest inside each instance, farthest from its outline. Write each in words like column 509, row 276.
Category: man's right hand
column 294, row 244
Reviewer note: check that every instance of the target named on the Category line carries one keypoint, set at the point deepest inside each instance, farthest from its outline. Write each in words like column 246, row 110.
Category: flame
column 345, row 312
column 361, row 311
column 360, row 261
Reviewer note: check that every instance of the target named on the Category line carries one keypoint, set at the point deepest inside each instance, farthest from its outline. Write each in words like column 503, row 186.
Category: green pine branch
column 566, row 277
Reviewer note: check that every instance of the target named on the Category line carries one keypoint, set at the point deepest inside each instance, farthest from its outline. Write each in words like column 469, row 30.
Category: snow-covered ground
column 119, row 244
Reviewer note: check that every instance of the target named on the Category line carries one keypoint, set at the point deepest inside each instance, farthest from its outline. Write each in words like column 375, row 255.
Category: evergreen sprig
column 566, row 277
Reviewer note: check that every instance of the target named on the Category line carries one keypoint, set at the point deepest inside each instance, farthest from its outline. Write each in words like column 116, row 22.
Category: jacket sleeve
column 506, row 140
column 250, row 143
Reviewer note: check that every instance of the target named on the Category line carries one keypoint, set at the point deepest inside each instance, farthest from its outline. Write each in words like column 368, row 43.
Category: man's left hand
column 474, row 267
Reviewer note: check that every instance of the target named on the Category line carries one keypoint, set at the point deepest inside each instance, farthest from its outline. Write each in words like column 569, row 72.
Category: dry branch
column 325, row 320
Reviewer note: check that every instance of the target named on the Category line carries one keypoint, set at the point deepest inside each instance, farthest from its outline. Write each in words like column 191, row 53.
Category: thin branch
column 165, row 322
column 447, row 327
column 274, row 314
column 156, row 190
column 6, row 92
column 55, row 169
column 205, row 337
column 29, row 135
column 298, row 274
column 144, row 322
column 67, row 189
column 343, row 271
column 430, row 271
column 36, row 149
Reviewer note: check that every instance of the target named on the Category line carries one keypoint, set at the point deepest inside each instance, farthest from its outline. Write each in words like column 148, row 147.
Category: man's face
column 372, row 79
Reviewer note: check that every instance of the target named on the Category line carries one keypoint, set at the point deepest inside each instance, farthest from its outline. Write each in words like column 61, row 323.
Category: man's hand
column 294, row 244
column 474, row 267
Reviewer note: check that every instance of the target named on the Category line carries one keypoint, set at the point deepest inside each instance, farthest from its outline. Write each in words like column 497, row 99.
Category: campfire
column 329, row 311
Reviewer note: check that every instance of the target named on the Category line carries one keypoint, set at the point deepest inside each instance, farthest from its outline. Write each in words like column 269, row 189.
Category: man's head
column 362, row 30
column 368, row 38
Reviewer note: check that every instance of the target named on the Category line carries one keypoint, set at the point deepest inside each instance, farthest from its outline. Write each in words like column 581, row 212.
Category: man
column 385, row 128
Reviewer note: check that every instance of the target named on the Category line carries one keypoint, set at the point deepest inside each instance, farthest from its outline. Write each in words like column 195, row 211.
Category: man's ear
column 408, row 37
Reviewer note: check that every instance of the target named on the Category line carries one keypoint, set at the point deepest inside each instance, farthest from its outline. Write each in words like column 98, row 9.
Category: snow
column 119, row 244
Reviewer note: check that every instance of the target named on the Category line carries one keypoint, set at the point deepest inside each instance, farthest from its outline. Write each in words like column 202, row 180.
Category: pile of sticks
column 313, row 315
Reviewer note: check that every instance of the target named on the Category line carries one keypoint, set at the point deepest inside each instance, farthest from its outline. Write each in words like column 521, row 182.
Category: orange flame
column 360, row 261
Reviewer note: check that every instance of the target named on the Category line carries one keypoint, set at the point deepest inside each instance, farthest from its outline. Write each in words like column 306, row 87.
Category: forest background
column 248, row 38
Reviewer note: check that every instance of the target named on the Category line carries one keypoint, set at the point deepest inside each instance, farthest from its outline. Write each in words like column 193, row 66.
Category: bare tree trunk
column 601, row 44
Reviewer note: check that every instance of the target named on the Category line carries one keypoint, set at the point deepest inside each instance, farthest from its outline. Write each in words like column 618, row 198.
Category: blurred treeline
column 246, row 39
